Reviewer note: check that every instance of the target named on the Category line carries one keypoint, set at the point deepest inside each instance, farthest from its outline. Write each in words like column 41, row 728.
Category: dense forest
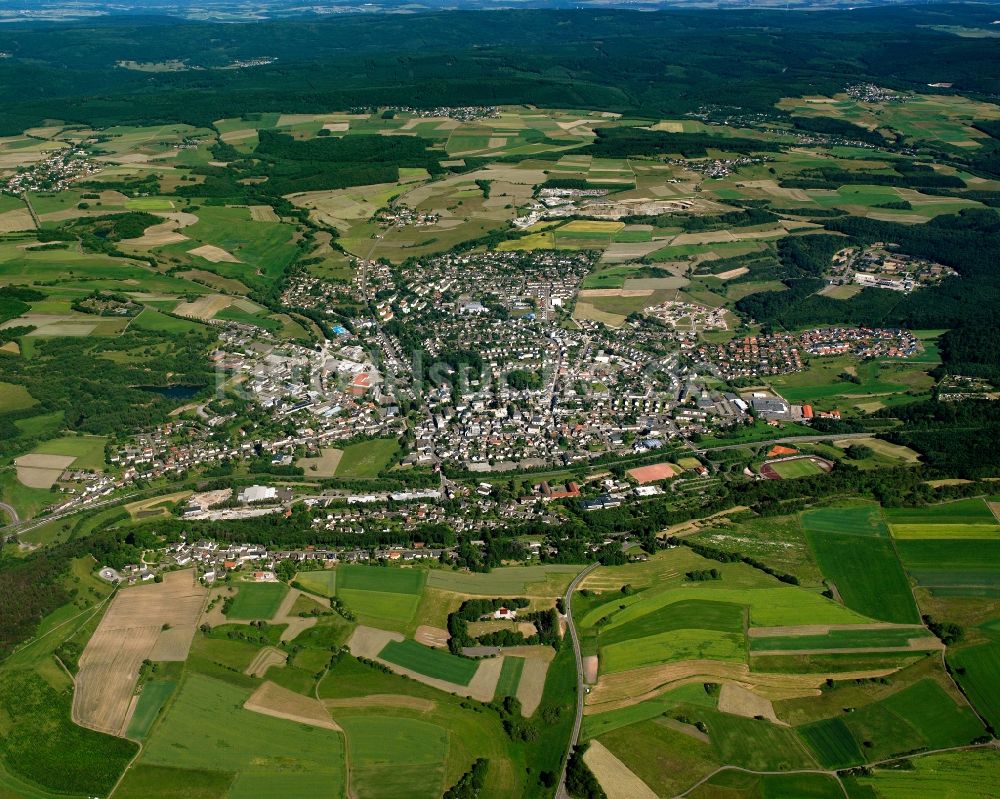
column 614, row 60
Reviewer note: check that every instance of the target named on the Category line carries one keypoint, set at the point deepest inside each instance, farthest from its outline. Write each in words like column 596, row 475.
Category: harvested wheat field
column 18, row 219
column 383, row 700
column 263, row 213
column 741, row 701
column 158, row 236
column 273, row 700
column 267, row 657
column 431, row 636
column 204, row 307
column 532, row 684
column 325, row 465
column 617, row 779
column 367, row 642
column 132, row 631
column 41, row 471
column 214, row 254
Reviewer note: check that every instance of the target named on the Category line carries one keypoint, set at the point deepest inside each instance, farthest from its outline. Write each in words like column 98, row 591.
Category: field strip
column 267, row 657
column 627, row 688
column 431, row 636
column 531, row 685
column 923, row 644
column 273, row 700
column 383, row 700
column 617, row 779
column 823, row 629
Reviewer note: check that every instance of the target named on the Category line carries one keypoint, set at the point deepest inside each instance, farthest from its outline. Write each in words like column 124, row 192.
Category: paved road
column 11, row 512
column 581, row 688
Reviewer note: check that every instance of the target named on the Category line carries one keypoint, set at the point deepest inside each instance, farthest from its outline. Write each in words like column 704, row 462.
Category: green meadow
column 855, row 552
column 436, row 663
column 257, row 600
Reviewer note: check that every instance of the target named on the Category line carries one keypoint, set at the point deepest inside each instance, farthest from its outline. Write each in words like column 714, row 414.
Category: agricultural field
column 257, row 600
column 366, row 459
column 856, row 555
column 207, row 712
column 382, row 597
column 192, row 293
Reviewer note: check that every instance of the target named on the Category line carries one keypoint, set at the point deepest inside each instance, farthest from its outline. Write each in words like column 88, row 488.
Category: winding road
column 11, row 512
column 581, row 687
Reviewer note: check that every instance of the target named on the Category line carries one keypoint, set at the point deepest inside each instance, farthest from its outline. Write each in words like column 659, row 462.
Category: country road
column 581, row 692
column 785, row 440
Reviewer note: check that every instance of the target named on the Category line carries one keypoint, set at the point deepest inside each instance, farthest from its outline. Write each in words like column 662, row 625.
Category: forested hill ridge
column 607, row 59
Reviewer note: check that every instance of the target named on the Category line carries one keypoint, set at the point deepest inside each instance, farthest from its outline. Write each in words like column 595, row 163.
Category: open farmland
column 207, row 728
column 855, row 553
column 154, row 622
column 433, row 663
column 396, row 756
column 257, row 600
column 386, row 598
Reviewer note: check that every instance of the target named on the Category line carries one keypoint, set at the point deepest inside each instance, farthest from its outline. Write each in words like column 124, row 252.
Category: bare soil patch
column 18, row 219
column 617, row 779
column 214, row 254
column 296, row 624
column 323, row 466
column 265, row 659
column 431, row 636
column 590, row 664
column 41, row 471
column 129, row 633
column 273, row 700
column 741, row 701
column 367, row 642
column 532, row 684
column 263, row 213
column 204, row 307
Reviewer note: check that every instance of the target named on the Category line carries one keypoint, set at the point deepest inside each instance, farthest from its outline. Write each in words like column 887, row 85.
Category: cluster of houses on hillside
column 54, row 173
column 881, row 266
column 783, row 353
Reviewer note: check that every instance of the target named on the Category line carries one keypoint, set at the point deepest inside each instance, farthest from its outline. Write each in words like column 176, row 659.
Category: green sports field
column 436, row 663
column 855, row 552
column 257, row 600
column 800, row 467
